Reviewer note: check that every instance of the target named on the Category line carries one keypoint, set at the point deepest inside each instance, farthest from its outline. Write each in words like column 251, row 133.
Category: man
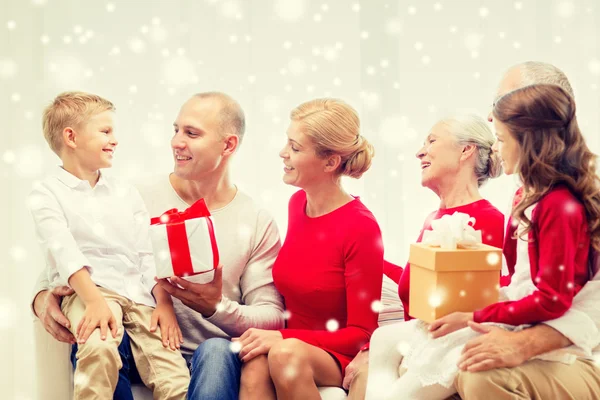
column 499, row 364
column 207, row 132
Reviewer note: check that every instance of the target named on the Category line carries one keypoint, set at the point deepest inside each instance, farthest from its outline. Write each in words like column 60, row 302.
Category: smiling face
column 440, row 156
column 198, row 145
column 302, row 166
column 507, row 147
column 95, row 141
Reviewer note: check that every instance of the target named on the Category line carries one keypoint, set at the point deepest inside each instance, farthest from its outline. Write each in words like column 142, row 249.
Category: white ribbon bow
column 453, row 231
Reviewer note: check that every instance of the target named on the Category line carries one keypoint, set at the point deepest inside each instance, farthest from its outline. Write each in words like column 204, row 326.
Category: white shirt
column 104, row 229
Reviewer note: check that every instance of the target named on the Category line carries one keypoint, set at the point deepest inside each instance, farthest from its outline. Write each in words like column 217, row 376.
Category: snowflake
column 518, row 5
column 11, row 25
column 8, row 68
column 17, row 253
column 484, row 12
column 337, row 81
column 8, row 157
column 557, row 39
column 435, row 300
column 332, row 325
column 462, row 293
column 290, row 10
column 235, row 347
column 473, row 41
column 384, row 63
column 426, row 60
column 15, row 97
column 418, row 46
column 364, row 34
column 492, row 259
column 437, row 7
column 287, row 314
column 565, row 9
column 231, row 9
column 412, row 10
column 296, row 66
column 377, row 306
column 137, row 45
column 517, row 45
column 594, row 66
column 110, row 7
column 356, row 7
column 81, row 379
column 570, row 285
column 403, row 347
column 394, row 26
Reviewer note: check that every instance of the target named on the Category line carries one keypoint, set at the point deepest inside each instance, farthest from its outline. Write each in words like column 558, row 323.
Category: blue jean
column 215, row 371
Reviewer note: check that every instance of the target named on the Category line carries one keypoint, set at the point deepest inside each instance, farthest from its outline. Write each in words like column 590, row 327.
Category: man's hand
column 46, row 306
column 495, row 348
column 201, row 297
column 255, row 342
column 449, row 323
column 352, row 369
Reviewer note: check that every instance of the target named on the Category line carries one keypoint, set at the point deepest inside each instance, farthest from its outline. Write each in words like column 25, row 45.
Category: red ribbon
column 178, row 240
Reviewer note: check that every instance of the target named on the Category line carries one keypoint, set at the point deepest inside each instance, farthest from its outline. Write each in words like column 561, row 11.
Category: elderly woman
column 456, row 159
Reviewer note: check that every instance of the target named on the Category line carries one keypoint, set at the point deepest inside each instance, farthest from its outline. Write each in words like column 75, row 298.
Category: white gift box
column 184, row 242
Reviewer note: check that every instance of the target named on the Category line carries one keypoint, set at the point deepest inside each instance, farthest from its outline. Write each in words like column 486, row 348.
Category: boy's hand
column 97, row 314
column 450, row 323
column 164, row 316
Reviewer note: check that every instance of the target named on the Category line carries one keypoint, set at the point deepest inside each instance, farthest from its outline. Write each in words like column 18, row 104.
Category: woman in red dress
column 329, row 270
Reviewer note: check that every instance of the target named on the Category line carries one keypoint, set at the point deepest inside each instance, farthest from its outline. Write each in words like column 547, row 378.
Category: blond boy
column 94, row 235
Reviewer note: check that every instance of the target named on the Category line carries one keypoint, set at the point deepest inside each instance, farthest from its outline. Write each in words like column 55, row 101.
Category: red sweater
column 330, row 269
column 488, row 219
column 558, row 255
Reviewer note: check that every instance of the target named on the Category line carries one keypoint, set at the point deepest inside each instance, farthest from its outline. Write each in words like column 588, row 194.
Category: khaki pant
column 162, row 370
column 536, row 380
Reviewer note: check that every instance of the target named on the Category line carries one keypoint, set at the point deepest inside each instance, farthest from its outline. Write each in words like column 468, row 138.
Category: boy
column 94, row 235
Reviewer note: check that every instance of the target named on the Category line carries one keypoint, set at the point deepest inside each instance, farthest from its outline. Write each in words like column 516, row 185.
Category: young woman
column 330, row 267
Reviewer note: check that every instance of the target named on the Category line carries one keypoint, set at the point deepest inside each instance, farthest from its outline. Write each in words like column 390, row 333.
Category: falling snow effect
column 386, row 62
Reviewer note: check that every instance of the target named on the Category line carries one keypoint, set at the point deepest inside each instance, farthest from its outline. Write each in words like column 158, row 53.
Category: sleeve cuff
column 578, row 328
column 220, row 312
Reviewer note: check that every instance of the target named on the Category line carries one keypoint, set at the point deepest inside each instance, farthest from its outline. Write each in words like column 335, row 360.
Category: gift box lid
column 481, row 258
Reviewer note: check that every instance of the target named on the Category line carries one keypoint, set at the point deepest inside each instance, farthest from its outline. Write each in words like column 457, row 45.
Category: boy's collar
column 72, row 181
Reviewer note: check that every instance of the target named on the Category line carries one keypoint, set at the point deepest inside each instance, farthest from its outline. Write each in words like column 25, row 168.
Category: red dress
column 329, row 272
column 488, row 219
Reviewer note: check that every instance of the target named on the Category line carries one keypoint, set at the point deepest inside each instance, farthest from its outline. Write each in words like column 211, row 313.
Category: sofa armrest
column 53, row 370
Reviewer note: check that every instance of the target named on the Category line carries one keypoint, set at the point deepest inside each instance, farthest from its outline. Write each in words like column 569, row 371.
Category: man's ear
column 69, row 137
column 332, row 163
column 231, row 144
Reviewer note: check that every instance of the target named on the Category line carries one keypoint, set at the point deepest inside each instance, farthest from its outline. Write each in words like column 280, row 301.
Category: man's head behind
column 209, row 128
column 70, row 110
column 532, row 73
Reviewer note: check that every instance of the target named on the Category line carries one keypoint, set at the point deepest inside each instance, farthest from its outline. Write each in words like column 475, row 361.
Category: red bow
column 177, row 236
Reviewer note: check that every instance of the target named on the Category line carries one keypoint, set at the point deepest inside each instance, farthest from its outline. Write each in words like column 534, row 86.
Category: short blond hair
column 70, row 109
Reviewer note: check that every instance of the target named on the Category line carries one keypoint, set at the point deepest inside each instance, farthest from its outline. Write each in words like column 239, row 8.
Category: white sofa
column 55, row 374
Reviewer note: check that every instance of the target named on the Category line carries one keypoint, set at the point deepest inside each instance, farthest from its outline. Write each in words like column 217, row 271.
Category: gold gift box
column 443, row 281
